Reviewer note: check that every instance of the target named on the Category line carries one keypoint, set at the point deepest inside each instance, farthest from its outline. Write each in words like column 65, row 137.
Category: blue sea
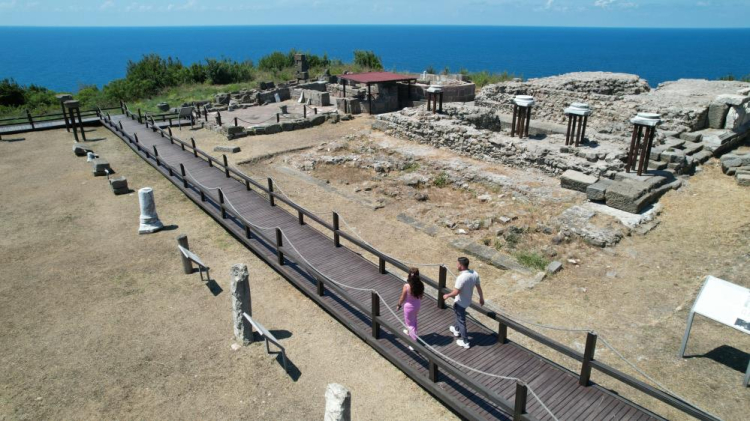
column 66, row 58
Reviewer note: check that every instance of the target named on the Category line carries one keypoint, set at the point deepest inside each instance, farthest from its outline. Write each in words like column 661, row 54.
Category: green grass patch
column 441, row 180
column 411, row 167
column 532, row 260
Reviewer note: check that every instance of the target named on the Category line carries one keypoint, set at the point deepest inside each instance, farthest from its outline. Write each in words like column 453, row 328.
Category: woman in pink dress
column 411, row 299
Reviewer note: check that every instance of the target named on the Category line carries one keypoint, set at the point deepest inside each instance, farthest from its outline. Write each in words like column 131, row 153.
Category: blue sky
column 604, row 13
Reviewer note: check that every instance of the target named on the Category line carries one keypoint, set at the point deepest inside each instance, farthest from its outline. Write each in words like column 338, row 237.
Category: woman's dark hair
column 416, row 287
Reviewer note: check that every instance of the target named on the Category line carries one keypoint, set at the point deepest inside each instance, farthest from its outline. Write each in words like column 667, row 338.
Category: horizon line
column 379, row 24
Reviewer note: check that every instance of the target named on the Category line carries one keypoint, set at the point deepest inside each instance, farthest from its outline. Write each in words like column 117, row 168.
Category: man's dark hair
column 464, row 262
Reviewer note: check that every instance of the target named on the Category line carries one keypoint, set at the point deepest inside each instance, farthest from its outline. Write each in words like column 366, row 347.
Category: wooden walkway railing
column 30, row 123
column 284, row 252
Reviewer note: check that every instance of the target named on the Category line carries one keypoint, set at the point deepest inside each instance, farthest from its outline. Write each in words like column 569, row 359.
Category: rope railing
column 504, row 318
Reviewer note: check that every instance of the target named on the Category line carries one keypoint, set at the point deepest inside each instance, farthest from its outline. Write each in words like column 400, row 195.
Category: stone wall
column 463, row 92
column 471, row 131
column 616, row 97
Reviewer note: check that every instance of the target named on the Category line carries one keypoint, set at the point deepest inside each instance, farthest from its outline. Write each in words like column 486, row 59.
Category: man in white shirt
column 466, row 280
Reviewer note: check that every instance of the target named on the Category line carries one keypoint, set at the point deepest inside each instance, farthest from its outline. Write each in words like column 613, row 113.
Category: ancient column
column 578, row 114
column 522, row 105
column 62, row 98
column 150, row 222
column 644, row 131
column 241, row 303
column 338, row 403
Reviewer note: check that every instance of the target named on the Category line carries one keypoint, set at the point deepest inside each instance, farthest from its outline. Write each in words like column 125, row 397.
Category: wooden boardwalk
column 44, row 125
column 557, row 387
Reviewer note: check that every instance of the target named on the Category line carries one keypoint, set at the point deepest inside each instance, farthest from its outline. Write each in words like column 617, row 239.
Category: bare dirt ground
column 636, row 295
column 168, row 336
column 100, row 323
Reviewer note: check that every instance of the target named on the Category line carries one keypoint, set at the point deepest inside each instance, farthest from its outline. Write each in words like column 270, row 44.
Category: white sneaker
column 454, row 331
column 406, row 332
column 462, row 344
column 410, row 348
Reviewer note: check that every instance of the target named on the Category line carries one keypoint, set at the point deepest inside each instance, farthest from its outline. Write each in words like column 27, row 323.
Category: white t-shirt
column 465, row 283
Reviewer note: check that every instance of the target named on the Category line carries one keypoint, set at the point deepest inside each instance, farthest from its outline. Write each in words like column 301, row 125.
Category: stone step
column 692, row 148
column 656, row 165
column 702, row 156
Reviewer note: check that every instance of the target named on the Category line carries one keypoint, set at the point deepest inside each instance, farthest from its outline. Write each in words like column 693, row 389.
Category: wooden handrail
column 544, row 340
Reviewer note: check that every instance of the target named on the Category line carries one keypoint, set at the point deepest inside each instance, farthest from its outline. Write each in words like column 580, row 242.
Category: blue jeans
column 461, row 321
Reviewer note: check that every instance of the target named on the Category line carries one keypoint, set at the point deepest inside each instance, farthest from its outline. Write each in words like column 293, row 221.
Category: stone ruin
column 699, row 119
column 389, row 97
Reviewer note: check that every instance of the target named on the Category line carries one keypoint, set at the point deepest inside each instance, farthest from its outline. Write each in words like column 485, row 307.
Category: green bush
column 367, row 59
column 275, row 61
column 441, row 180
column 11, row 93
column 731, row 77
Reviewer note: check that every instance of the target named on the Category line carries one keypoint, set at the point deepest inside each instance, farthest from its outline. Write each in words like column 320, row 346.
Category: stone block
column 554, row 267
column 119, row 185
column 702, row 156
column 676, row 156
column 692, row 148
column 576, row 180
column 673, row 142
column 656, row 165
column 273, row 129
column 81, row 149
column 731, row 99
column 227, row 149
column 743, row 180
column 319, row 119
column 717, row 114
column 100, row 166
column 656, row 152
column 287, row 126
column 596, row 192
column 691, row 136
column 623, row 195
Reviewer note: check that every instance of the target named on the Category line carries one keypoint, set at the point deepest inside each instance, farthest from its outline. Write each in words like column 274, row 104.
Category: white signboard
column 190, row 255
column 725, row 303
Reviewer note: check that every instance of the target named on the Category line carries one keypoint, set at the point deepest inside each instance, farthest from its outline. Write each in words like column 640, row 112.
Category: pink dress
column 411, row 309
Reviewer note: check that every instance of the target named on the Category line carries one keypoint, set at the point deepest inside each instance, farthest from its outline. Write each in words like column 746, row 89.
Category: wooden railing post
column 31, row 120
column 195, row 150
column 433, row 371
column 221, row 203
column 184, row 176
column 187, row 264
column 277, row 118
column 226, row 166
column 140, row 116
column 169, row 129
column 381, row 265
column 502, row 333
column 235, row 122
column 336, row 236
column 519, row 409
column 320, row 286
column 301, row 217
column 203, row 194
column 156, row 156
column 119, row 123
column 170, row 125
column 247, row 231
column 247, row 185
column 443, row 274
column 218, row 118
column 304, row 111
column 375, row 309
column 270, row 192
column 588, row 356
column 279, row 244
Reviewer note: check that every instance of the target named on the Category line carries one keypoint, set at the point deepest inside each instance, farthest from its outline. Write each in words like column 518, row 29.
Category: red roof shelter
column 369, row 78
